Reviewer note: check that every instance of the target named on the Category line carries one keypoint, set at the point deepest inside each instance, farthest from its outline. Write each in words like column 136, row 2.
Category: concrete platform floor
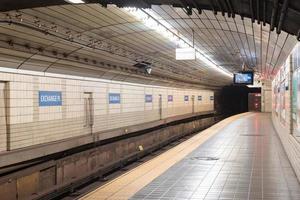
column 244, row 159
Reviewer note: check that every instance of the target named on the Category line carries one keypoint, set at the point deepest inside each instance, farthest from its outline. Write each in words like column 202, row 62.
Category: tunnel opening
column 233, row 99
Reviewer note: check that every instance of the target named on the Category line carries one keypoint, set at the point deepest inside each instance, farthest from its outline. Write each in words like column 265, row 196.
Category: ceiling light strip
column 75, row 1
column 164, row 29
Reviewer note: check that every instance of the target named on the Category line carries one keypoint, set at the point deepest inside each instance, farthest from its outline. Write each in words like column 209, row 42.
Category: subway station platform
column 239, row 158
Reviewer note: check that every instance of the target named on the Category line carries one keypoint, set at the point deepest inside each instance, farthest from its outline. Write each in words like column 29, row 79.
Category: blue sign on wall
column 170, row 98
column 199, row 98
column 50, row 98
column 211, row 97
column 186, row 98
column 148, row 98
column 114, row 98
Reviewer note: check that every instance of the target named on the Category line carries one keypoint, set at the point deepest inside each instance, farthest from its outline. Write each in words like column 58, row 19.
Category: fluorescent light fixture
column 151, row 20
column 185, row 54
column 75, row 1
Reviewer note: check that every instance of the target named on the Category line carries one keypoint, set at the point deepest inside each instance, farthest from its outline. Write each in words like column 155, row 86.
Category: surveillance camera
column 146, row 66
column 148, row 70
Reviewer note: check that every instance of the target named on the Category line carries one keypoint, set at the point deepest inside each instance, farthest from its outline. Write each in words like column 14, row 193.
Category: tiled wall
column 283, row 120
column 30, row 124
column 266, row 96
column 2, row 118
column 281, row 96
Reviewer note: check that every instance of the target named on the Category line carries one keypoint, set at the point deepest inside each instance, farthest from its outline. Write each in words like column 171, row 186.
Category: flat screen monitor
column 243, row 78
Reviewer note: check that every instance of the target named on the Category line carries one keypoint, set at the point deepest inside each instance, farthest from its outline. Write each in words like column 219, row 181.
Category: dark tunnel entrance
column 234, row 99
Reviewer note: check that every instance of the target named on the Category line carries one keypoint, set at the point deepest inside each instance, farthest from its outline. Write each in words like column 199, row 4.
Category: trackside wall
column 74, row 106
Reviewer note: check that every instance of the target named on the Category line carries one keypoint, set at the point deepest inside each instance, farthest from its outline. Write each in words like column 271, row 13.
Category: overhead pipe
column 282, row 15
column 145, row 4
column 258, row 11
column 103, row 3
column 230, row 8
column 211, row 3
column 186, row 7
column 197, row 6
column 264, row 12
column 221, row 7
column 274, row 14
column 251, row 11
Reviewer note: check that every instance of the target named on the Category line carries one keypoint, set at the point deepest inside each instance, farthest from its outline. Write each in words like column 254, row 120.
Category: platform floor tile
column 245, row 160
column 126, row 185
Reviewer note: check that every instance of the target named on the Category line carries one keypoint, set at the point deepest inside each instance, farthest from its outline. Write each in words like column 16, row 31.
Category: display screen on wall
column 114, row 98
column 243, row 78
column 50, row 98
column 186, row 98
column 199, row 98
column 170, row 98
column 148, row 98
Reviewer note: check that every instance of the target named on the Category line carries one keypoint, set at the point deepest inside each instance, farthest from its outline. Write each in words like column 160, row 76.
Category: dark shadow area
column 233, row 99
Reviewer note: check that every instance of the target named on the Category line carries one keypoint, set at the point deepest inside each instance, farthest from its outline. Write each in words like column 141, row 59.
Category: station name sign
column 114, row 98
column 148, row 98
column 50, row 98
column 186, row 98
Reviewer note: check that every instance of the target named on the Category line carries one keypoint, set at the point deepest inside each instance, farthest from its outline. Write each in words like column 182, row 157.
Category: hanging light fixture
column 75, row 1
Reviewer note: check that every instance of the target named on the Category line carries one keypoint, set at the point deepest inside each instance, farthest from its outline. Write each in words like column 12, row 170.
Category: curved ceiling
column 89, row 39
column 280, row 14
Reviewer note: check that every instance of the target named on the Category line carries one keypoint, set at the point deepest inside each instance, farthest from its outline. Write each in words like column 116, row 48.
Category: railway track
column 68, row 174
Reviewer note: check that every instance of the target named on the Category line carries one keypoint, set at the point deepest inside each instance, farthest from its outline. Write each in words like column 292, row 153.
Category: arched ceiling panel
column 283, row 14
column 93, row 35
